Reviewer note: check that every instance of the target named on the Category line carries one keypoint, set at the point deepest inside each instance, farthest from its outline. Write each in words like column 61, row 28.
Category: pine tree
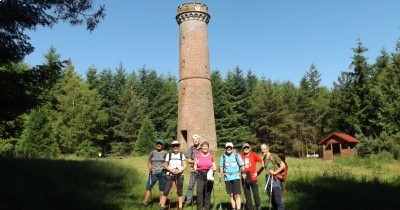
column 364, row 110
column 92, row 78
column 132, row 110
column 166, row 116
column 145, row 144
column 235, row 122
column 273, row 121
column 162, row 96
column 311, row 108
column 387, row 90
column 219, row 97
column 37, row 140
column 78, row 117
column 349, row 102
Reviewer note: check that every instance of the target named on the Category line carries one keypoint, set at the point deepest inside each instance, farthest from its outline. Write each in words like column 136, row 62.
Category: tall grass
column 118, row 184
column 355, row 183
column 66, row 184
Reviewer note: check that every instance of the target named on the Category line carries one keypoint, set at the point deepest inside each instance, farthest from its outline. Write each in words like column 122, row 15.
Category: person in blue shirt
column 230, row 167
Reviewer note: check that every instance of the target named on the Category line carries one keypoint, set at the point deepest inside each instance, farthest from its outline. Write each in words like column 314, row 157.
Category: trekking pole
column 215, row 204
column 266, row 184
column 214, row 201
column 243, row 186
column 205, row 193
column 193, row 191
column 219, row 194
column 270, row 195
column 151, row 197
column 193, row 174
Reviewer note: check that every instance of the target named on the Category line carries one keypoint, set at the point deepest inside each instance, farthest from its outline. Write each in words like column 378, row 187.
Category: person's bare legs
column 161, row 195
column 238, row 201
column 162, row 201
column 146, row 196
column 180, row 201
column 232, row 200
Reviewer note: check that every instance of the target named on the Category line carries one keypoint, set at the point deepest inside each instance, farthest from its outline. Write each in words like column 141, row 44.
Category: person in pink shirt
column 250, row 160
column 205, row 166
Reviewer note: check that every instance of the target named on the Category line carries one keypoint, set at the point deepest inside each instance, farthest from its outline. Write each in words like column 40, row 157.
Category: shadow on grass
column 63, row 185
column 343, row 193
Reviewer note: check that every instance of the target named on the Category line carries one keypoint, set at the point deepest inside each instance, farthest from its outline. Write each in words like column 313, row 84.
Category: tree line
column 54, row 111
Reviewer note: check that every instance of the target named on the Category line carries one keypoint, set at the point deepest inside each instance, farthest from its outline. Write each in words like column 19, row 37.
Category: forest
column 50, row 110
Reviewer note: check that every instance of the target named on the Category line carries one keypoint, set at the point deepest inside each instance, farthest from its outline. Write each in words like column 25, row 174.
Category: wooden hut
column 338, row 144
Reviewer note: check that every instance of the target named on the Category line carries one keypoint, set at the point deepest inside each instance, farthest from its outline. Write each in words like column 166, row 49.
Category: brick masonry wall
column 195, row 106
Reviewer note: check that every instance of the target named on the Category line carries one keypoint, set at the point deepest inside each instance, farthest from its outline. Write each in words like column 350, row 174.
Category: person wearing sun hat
column 250, row 160
column 174, row 165
column 155, row 166
column 230, row 166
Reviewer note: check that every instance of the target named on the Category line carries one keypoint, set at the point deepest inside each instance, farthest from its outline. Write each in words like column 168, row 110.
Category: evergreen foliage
column 17, row 16
column 235, row 122
column 312, row 107
column 161, row 94
column 132, row 110
column 121, row 113
column 78, row 115
column 37, row 140
column 25, row 88
column 145, row 144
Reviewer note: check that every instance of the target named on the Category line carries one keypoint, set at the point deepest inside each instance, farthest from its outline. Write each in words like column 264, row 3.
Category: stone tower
column 195, row 108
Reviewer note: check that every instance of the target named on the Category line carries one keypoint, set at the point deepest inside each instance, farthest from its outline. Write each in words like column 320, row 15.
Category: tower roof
column 192, row 11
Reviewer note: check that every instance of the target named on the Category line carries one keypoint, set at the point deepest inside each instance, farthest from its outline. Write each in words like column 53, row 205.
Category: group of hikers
column 237, row 170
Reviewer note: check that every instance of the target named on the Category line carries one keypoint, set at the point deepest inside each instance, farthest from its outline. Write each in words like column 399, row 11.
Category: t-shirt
column 269, row 165
column 250, row 164
column 175, row 161
column 157, row 160
column 204, row 162
column 192, row 152
column 232, row 168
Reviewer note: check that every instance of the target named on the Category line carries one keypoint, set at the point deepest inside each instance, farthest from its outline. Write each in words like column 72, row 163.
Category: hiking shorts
column 177, row 180
column 153, row 178
column 233, row 187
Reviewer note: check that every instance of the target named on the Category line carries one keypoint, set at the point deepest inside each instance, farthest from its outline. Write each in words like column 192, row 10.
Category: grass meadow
column 118, row 184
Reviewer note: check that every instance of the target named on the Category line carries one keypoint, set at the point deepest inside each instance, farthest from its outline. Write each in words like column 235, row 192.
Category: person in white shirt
column 174, row 167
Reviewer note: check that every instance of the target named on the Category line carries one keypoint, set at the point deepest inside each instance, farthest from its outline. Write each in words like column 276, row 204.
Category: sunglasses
column 246, row 148
column 228, row 147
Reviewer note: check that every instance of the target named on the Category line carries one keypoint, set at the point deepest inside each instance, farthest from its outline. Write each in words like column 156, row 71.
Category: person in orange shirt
column 250, row 160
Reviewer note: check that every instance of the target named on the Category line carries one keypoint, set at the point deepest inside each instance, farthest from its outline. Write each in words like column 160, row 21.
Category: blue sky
column 275, row 39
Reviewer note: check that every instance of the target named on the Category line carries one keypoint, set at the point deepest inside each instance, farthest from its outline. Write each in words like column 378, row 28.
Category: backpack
column 169, row 160
column 281, row 175
column 223, row 160
column 170, row 155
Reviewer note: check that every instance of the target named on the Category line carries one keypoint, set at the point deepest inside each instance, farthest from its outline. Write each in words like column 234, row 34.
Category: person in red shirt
column 250, row 160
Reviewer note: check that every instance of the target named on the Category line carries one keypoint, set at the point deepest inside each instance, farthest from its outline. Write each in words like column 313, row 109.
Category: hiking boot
column 162, row 208
column 188, row 203
column 146, row 204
